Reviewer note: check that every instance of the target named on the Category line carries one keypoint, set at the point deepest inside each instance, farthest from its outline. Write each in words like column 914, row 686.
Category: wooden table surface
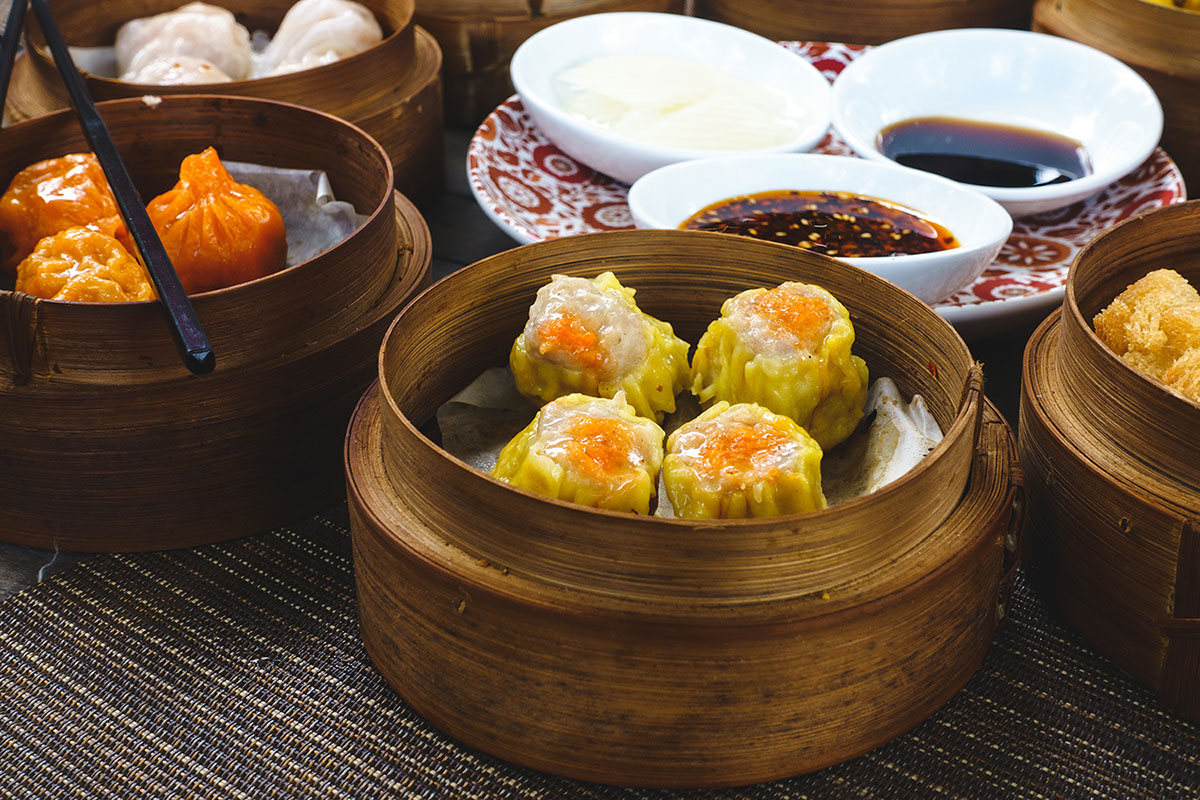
column 462, row 234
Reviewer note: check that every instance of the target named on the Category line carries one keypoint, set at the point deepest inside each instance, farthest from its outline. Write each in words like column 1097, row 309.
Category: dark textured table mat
column 235, row 670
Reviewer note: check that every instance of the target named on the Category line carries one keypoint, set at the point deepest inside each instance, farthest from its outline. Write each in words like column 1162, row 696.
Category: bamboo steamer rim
column 401, row 25
column 1140, row 33
column 966, row 416
column 385, row 202
column 1097, row 378
column 1041, row 383
column 939, row 555
column 1073, row 316
column 629, row 556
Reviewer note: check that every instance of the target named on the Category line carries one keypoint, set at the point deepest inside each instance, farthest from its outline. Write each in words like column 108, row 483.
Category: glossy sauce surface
column 984, row 153
column 834, row 223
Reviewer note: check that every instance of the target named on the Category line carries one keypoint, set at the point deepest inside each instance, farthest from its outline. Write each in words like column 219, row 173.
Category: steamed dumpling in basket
column 742, row 461
column 318, row 32
column 591, row 451
column 589, row 336
column 787, row 349
column 196, row 30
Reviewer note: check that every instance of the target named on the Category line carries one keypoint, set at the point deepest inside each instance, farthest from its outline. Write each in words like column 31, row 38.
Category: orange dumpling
column 51, row 196
column 84, row 266
column 218, row 232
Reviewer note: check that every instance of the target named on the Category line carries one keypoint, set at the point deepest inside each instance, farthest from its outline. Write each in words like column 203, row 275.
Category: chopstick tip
column 201, row 362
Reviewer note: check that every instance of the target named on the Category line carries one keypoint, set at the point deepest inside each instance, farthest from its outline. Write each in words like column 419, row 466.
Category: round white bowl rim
column 1083, row 186
column 808, row 137
column 1003, row 220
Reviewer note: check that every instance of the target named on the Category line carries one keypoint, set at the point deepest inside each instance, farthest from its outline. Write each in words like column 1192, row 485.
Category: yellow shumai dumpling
column 589, row 336
column 592, row 451
column 742, row 461
column 787, row 349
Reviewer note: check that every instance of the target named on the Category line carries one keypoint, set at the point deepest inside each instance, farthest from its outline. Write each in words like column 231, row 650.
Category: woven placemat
column 235, row 670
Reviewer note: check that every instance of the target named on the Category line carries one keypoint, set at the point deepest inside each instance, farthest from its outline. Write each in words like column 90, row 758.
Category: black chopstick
column 185, row 327
column 8, row 48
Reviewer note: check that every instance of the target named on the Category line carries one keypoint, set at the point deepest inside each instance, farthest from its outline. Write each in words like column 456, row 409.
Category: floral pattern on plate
column 534, row 191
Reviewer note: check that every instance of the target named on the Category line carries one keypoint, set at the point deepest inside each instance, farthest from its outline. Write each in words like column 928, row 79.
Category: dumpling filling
column 742, row 461
column 787, row 349
column 589, row 336
column 587, row 450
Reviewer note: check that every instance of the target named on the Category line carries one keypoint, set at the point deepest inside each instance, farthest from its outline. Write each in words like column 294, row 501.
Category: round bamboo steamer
column 108, row 442
column 1162, row 44
column 859, row 21
column 479, row 38
column 659, row 652
column 392, row 90
column 1114, row 479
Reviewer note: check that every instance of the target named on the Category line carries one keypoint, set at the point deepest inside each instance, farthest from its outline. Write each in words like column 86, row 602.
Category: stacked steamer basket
column 392, row 90
column 666, row 652
column 479, row 37
column 862, row 21
column 1160, row 42
column 107, row 442
column 1114, row 477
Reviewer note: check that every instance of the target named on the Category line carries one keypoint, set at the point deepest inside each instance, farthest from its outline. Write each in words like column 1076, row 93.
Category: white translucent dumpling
column 318, row 32
column 177, row 70
column 197, row 30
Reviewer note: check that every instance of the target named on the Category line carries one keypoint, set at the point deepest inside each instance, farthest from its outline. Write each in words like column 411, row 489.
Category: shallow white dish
column 743, row 55
column 1011, row 77
column 669, row 196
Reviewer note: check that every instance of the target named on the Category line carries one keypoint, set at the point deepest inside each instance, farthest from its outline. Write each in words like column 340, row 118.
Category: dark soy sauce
column 984, row 153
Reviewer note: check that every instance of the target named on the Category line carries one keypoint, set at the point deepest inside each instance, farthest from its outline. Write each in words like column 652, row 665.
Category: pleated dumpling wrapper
column 787, row 349
column 592, row 451
column 589, row 336
column 53, row 195
column 83, row 266
column 742, row 461
column 218, row 232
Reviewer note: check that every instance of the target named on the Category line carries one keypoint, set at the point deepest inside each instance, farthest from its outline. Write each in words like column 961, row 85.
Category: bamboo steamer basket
column 1114, row 478
column 479, row 37
column 107, row 442
column 392, row 90
column 654, row 652
column 869, row 22
column 1162, row 44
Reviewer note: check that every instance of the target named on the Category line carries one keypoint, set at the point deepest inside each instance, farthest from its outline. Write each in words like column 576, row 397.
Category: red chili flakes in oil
column 833, row 223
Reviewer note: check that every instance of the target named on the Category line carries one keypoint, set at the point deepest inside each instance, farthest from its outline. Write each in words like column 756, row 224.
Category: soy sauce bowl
column 1005, row 77
column 668, row 197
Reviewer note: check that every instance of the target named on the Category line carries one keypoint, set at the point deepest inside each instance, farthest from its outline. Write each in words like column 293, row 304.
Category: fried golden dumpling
column 787, row 349
column 592, row 451
column 53, row 195
column 218, row 232
column 84, row 266
column 742, row 461
column 589, row 336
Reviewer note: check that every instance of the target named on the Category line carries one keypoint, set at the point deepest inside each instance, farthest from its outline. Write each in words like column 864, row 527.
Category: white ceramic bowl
column 736, row 52
column 1009, row 77
column 668, row 197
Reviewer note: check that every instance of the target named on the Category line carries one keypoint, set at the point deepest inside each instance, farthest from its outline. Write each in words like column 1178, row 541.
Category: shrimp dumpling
column 177, row 71
column 787, row 349
column 589, row 336
column 742, row 461
column 318, row 32
column 591, row 451
column 198, row 30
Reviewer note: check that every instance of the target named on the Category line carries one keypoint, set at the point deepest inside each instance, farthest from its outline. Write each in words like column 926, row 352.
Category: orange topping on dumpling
column 805, row 318
column 85, row 266
column 739, row 451
column 566, row 333
column 218, row 232
column 53, row 195
column 600, row 447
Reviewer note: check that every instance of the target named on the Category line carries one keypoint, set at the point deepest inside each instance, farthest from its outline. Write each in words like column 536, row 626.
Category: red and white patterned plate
column 534, row 191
